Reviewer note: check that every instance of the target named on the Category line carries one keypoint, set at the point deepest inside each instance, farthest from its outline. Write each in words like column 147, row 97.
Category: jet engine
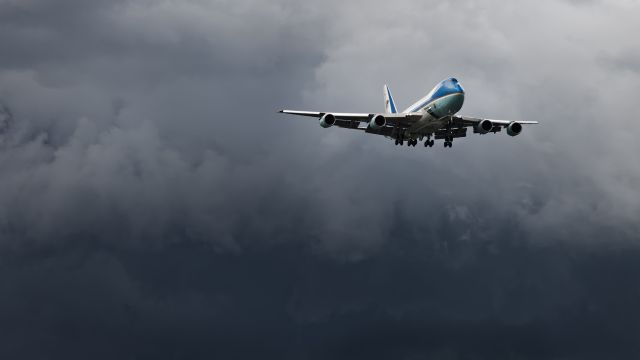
column 514, row 128
column 484, row 126
column 327, row 120
column 377, row 122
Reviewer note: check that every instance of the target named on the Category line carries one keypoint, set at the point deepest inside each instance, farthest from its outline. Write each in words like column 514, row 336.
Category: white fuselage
column 444, row 100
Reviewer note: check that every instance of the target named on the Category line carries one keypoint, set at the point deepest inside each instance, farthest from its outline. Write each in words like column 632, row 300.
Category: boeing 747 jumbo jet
column 433, row 117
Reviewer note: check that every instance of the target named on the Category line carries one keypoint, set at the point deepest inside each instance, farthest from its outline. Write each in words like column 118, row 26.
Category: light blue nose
column 455, row 86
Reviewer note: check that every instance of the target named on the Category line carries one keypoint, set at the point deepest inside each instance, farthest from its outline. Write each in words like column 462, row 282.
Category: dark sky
column 153, row 205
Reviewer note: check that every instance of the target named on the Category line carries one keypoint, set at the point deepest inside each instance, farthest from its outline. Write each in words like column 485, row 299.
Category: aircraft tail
column 389, row 104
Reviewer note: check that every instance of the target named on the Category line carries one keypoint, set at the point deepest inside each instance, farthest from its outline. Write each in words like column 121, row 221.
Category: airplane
column 433, row 117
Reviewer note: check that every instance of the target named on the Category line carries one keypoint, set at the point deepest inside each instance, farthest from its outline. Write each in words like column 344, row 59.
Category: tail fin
column 389, row 104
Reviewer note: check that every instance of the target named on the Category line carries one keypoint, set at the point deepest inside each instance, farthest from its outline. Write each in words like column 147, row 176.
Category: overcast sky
column 154, row 205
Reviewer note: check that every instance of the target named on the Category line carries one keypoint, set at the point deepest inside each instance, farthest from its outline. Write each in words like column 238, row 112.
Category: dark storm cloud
column 152, row 204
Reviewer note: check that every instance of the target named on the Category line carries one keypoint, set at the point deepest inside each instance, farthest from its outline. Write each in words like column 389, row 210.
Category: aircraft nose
column 457, row 85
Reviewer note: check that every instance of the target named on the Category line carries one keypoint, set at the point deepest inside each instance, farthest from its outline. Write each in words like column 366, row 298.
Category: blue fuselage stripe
column 429, row 101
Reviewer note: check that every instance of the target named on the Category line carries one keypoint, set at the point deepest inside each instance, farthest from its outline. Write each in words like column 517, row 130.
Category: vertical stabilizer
column 389, row 104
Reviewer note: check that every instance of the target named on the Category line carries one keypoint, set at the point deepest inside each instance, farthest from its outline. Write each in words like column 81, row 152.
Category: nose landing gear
column 429, row 142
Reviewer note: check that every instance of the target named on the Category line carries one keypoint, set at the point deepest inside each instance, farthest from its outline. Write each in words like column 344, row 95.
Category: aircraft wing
column 459, row 125
column 353, row 120
column 470, row 121
column 399, row 122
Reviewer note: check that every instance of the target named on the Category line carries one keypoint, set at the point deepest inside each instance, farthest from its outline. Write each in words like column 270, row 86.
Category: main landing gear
column 400, row 140
column 429, row 142
column 410, row 142
column 448, row 141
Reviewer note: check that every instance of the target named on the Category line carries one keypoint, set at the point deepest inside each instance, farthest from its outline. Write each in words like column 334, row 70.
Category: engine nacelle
column 377, row 122
column 484, row 126
column 327, row 120
column 514, row 128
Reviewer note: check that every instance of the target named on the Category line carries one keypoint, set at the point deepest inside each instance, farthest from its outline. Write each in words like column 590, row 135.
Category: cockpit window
column 454, row 79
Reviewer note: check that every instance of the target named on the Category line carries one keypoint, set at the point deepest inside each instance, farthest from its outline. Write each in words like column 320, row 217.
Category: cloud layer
column 153, row 204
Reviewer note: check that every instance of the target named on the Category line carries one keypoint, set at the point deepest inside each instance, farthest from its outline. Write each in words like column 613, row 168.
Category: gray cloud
column 152, row 204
